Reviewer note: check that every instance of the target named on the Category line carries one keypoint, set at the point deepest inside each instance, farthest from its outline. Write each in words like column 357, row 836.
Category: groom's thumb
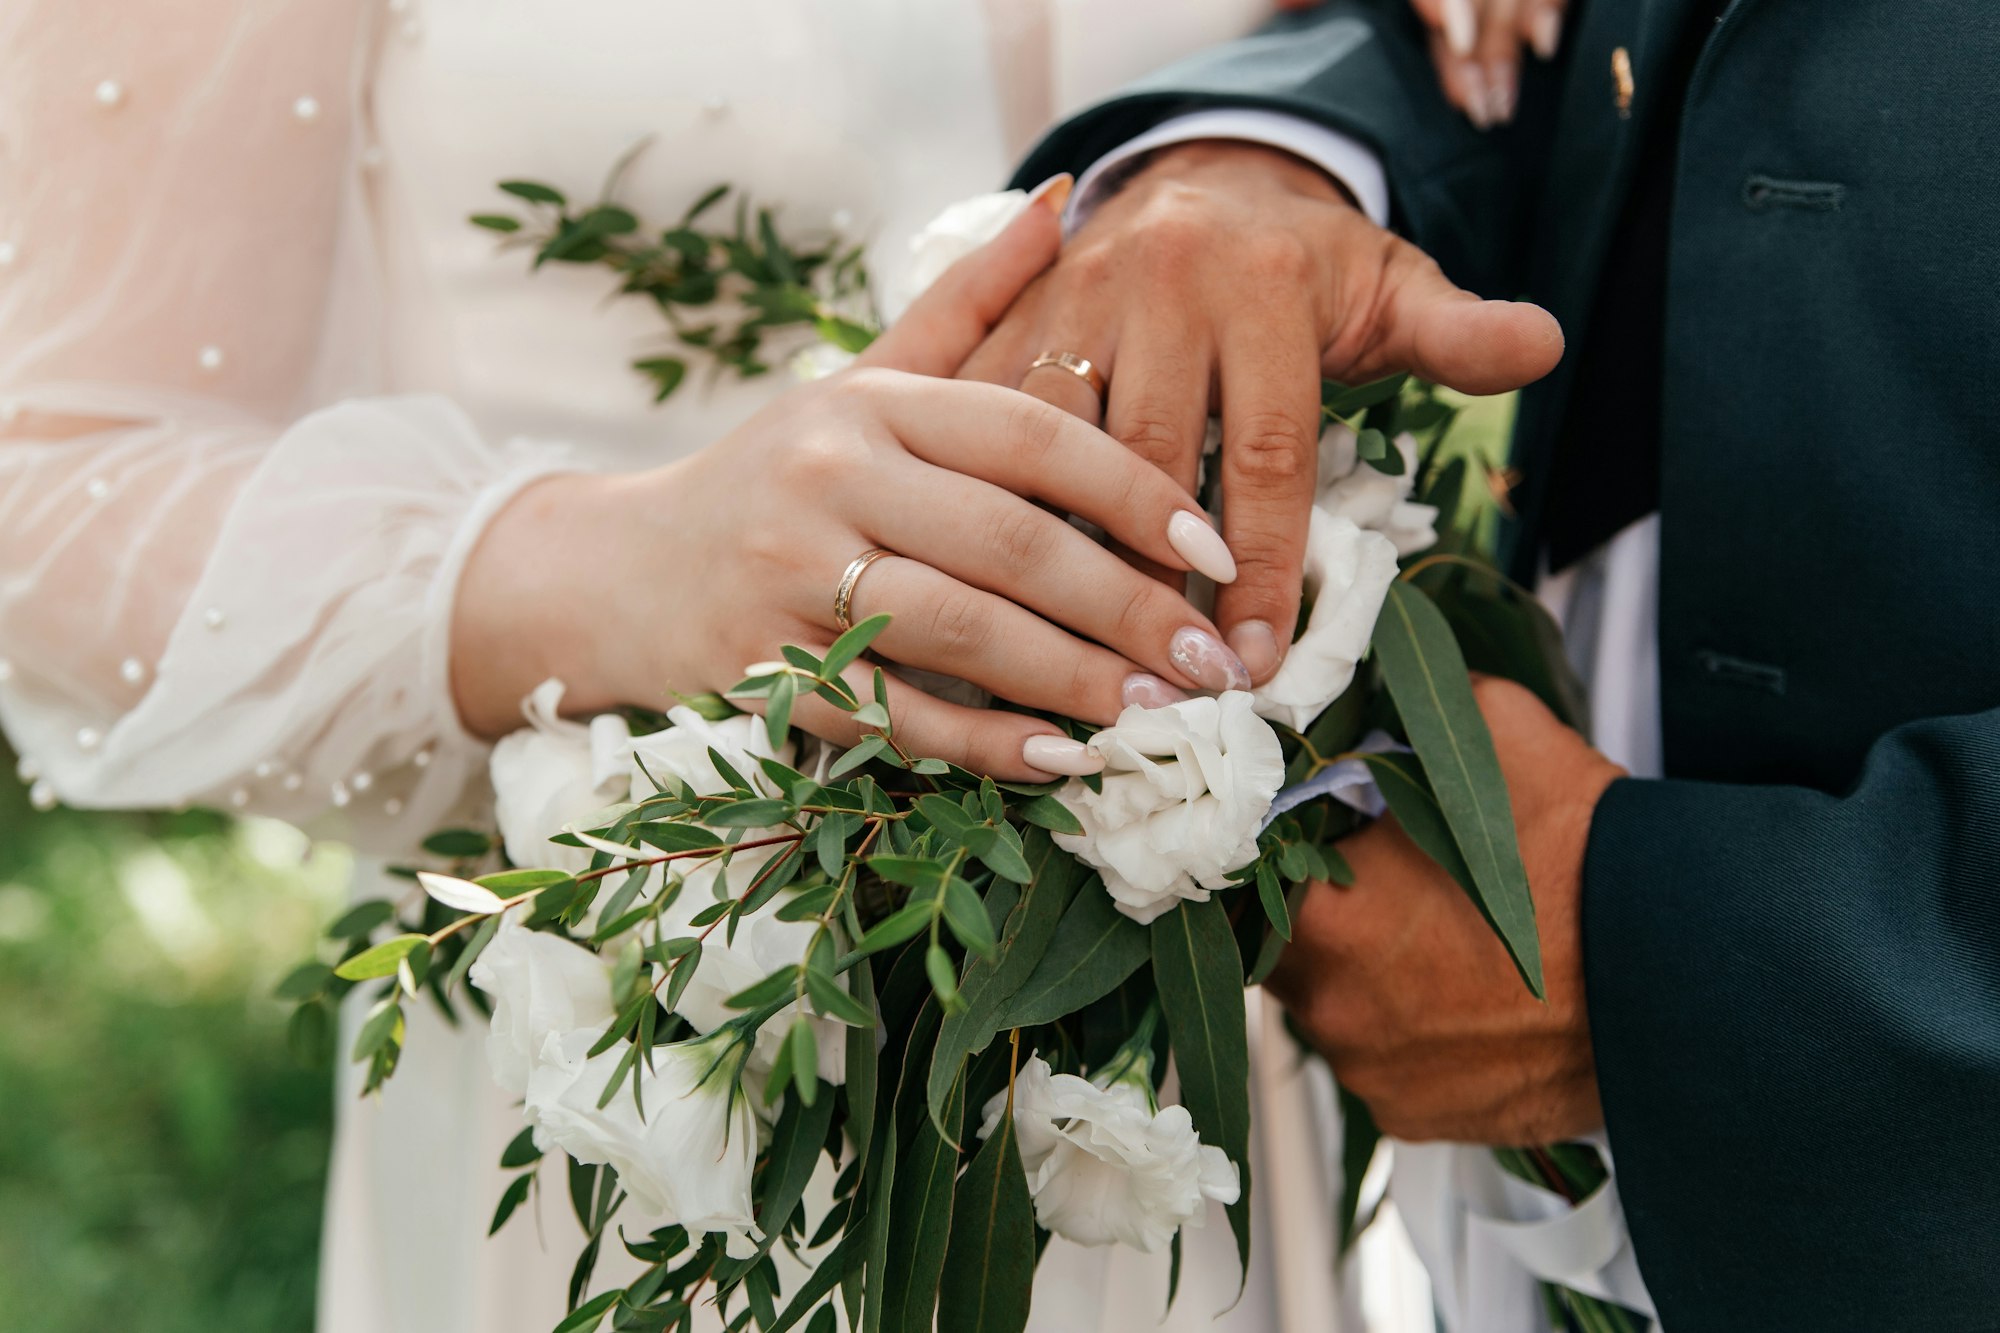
column 1447, row 335
column 947, row 323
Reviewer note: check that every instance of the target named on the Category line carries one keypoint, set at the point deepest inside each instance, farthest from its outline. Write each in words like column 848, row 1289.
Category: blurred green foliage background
column 162, row 1154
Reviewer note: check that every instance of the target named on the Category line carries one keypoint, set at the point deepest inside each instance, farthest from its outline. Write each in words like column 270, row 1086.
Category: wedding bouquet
column 722, row 958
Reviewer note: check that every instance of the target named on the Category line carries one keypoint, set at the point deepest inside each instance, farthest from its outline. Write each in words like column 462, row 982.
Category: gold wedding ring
column 1078, row 366
column 843, row 596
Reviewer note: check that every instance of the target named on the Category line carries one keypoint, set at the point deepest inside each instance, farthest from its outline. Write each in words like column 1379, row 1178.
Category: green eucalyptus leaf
column 1200, row 978
column 921, row 1226
column 535, row 192
column 496, row 222
column 513, row 1197
column 989, row 1262
column 1427, row 679
column 1047, row 812
column 362, row 919
column 1094, row 948
column 381, row 960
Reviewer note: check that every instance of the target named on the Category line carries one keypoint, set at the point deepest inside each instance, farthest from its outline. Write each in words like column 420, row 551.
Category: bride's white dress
column 261, row 387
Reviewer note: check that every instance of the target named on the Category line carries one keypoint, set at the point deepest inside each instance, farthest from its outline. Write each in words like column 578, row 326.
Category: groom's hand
column 1233, row 274
column 1406, row 990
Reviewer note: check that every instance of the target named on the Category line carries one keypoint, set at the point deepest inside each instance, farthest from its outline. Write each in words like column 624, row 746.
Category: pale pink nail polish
column 1477, row 95
column 1198, row 543
column 1545, row 31
column 1149, row 691
column 1461, row 26
column 1502, row 89
column 1257, row 646
column 1206, row 660
column 1060, row 754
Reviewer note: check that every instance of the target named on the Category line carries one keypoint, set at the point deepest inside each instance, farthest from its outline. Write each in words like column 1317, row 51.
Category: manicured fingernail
column 1198, row 543
column 1206, row 660
column 1461, row 26
column 1545, row 31
column 1060, row 754
column 1257, row 646
column 1149, row 691
column 1053, row 193
column 1501, row 90
column 1477, row 96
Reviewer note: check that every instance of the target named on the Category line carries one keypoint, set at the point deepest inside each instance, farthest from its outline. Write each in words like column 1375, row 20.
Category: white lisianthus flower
column 1347, row 575
column 957, row 232
column 1353, row 489
column 548, row 774
column 680, row 753
column 542, row 986
column 761, row 945
column 1182, row 796
column 689, row 1158
column 1105, row 1163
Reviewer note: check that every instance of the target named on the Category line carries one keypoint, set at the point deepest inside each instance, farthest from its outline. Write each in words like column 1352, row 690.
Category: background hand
column 633, row 587
column 1403, row 986
column 1477, row 45
column 1232, row 273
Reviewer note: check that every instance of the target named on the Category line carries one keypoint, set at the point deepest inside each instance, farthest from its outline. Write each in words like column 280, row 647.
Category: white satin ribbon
column 1489, row 1239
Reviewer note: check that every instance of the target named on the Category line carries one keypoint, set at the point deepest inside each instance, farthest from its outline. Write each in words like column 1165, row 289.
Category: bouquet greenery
column 749, row 959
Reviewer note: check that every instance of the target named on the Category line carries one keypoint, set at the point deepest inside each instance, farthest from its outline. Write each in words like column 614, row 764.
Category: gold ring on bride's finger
column 843, row 596
column 1078, row 366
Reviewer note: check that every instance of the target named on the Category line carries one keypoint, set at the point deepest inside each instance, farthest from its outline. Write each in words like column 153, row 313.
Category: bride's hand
column 631, row 587
column 1477, row 47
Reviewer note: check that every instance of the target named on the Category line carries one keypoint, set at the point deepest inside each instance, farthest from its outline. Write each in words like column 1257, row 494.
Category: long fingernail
column 1149, row 691
column 1053, row 193
column 1461, row 26
column 1476, row 94
column 1206, row 660
column 1502, row 88
column 1198, row 543
column 1060, row 754
column 1257, row 646
column 1545, row 31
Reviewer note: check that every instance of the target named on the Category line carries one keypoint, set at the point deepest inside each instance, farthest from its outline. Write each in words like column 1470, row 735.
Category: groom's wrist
column 1349, row 163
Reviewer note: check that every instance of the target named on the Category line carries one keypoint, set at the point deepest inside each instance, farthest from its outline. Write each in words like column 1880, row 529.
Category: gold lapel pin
column 1621, row 82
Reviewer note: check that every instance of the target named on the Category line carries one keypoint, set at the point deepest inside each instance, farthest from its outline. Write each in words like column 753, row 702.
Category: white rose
column 542, row 986
column 1350, row 488
column 1183, row 794
column 1347, row 575
column 680, row 752
column 1105, row 1163
column 550, row 773
column 761, row 945
column 689, row 1158
column 957, row 232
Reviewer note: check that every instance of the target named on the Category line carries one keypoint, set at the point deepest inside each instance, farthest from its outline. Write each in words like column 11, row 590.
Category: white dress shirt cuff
column 1342, row 157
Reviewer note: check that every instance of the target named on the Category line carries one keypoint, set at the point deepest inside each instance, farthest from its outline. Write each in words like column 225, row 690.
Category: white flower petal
column 461, row 894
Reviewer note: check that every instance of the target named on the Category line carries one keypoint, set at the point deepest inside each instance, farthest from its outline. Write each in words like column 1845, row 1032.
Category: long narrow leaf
column 1427, row 679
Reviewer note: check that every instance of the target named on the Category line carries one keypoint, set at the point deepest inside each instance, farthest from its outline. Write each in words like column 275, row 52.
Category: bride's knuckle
column 1033, row 431
column 1022, row 538
column 961, row 625
column 812, row 464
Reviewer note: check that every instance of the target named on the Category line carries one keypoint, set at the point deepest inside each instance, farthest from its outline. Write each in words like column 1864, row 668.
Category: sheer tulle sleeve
column 209, row 592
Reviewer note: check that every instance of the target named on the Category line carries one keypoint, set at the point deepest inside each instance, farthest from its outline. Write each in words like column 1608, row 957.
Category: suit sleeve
column 1795, row 1002
column 1360, row 67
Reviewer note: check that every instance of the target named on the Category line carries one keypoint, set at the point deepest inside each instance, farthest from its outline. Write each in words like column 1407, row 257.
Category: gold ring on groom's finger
column 1078, row 366
column 843, row 596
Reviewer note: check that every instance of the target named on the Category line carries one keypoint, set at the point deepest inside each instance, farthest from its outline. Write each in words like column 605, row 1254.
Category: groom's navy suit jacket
column 1793, row 944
